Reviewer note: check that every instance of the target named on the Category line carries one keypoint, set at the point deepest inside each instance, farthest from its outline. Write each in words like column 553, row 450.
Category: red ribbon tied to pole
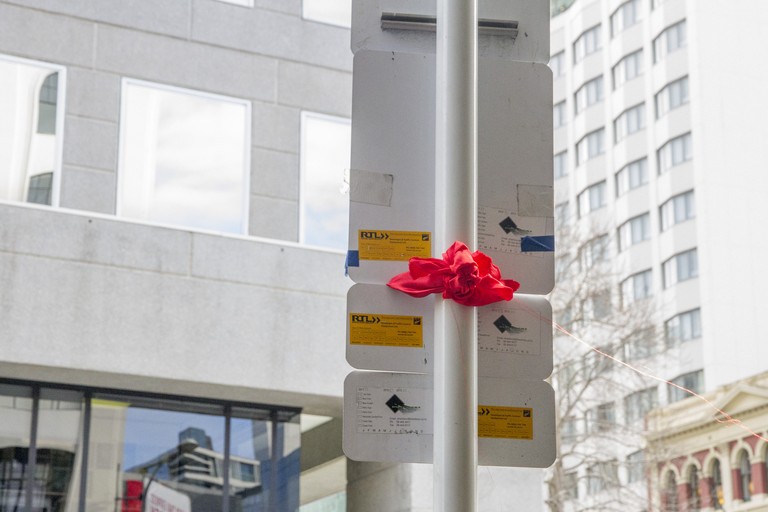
column 471, row 279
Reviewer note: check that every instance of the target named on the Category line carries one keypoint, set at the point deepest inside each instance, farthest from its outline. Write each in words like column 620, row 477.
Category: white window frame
column 677, row 209
column 560, row 163
column 680, row 267
column 248, row 142
column 559, row 118
column 628, row 68
column 637, row 287
column 631, row 176
column 630, row 121
column 664, row 44
column 557, row 64
column 592, row 198
column 626, row 15
column 692, row 319
column 61, row 109
column 590, row 93
column 303, row 165
column 671, row 96
column 590, row 146
column 634, row 231
column 676, row 151
column 588, row 42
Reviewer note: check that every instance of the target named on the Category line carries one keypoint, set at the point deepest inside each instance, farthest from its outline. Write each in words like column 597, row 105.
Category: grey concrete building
column 153, row 278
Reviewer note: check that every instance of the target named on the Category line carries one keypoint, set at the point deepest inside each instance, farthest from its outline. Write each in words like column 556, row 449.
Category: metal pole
column 455, row 434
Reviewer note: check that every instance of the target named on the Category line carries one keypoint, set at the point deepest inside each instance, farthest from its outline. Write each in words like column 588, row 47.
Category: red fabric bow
column 468, row 278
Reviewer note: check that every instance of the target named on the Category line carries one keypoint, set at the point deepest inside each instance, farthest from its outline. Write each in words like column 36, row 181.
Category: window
column 138, row 446
column 640, row 344
column 629, row 67
column 333, row 12
column 677, row 209
column 745, row 476
column 693, row 381
column 635, row 467
column 630, row 121
column 590, row 146
column 571, row 485
column 637, row 287
column 669, row 40
column 694, row 493
column 325, row 153
column 601, row 418
column 557, row 64
column 569, row 429
column 675, row 152
column 671, row 96
column 602, row 476
column 587, row 43
column 597, row 306
column 588, row 94
column 680, row 267
column 562, row 214
column 592, row 198
column 625, row 16
column 184, row 158
column 561, row 164
column 595, row 251
column 683, row 327
column 632, row 176
column 32, row 98
column 558, row 114
column 716, row 485
column 634, row 231
column 637, row 404
column 669, row 493
column 656, row 3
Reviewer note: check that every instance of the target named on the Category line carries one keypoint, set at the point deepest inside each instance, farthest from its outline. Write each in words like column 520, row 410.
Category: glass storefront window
column 143, row 453
column 39, row 473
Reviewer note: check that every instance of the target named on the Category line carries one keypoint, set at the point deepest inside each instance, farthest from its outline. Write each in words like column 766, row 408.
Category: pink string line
column 728, row 419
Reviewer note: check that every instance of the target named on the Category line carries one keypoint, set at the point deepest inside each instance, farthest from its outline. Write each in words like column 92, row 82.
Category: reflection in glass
column 50, row 482
column 325, row 153
column 137, row 452
column 184, row 158
column 30, row 94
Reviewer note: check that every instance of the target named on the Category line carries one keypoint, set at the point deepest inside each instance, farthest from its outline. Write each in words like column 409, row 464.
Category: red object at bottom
column 132, row 496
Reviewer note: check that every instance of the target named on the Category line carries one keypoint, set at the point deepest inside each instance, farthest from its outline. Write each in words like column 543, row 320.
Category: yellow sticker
column 504, row 422
column 393, row 245
column 385, row 330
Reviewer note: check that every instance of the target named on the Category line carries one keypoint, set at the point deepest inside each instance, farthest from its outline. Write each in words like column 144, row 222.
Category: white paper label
column 394, row 410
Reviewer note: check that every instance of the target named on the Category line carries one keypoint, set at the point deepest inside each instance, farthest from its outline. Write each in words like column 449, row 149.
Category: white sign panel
column 388, row 417
column 514, row 339
column 392, row 183
column 160, row 498
column 531, row 43
column 515, row 172
column 389, row 330
column 392, row 177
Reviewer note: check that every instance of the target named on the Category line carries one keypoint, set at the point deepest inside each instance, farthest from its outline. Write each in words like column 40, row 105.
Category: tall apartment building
column 659, row 182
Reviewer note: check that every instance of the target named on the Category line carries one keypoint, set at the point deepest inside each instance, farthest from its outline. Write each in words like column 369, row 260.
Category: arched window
column 669, row 496
column 745, row 473
column 716, row 486
column 46, row 113
column 694, row 500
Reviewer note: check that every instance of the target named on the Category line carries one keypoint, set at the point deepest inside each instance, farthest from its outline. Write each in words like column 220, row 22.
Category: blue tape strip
column 537, row 243
column 353, row 259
